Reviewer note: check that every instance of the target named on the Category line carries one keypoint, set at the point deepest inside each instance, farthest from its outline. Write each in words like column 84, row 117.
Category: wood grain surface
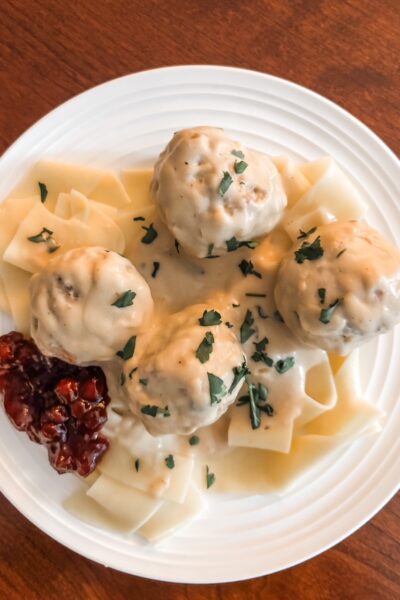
column 347, row 50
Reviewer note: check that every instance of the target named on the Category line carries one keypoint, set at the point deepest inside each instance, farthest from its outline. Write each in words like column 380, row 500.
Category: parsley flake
column 43, row 192
column 169, row 461
column 205, row 348
column 234, row 244
column 225, row 184
column 228, row 324
column 194, row 440
column 239, row 373
column 128, row 350
column 257, row 401
column 209, row 318
column 284, row 364
column 304, row 234
column 240, row 166
column 326, row 313
column 341, row 252
column 237, row 153
column 218, row 389
column 45, row 237
column 150, row 234
column 261, row 313
column 144, row 381
column 254, row 295
column 137, row 465
column 210, row 477
column 125, row 300
column 260, row 355
column 156, row 267
column 246, row 330
column 321, row 295
column 210, row 252
column 247, row 268
column 139, row 219
column 309, row 251
column 152, row 410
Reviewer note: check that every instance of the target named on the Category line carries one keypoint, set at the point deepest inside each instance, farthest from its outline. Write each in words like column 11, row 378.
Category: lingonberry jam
column 59, row 405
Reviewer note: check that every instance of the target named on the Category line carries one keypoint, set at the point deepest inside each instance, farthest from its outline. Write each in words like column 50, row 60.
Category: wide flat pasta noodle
column 137, row 186
column 295, row 183
column 332, row 196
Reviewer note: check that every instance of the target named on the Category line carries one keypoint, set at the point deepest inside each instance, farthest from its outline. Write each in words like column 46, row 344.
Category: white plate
column 125, row 123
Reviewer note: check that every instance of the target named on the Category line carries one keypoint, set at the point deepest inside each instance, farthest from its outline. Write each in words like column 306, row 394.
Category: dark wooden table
column 347, row 50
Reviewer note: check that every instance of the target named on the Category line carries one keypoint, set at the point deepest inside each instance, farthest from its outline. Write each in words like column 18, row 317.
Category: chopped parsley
column 239, row 373
column 304, row 234
column 261, row 312
column 126, row 299
column 156, row 267
column 255, row 295
column 150, row 234
column 152, row 410
column 210, row 477
column 246, row 330
column 247, row 268
column 257, row 401
column 260, row 355
column 45, row 237
column 228, row 324
column 205, row 348
column 235, row 305
column 309, row 251
column 169, row 461
column 139, row 219
column 326, row 313
column 284, row 364
column 210, row 252
column 341, row 252
column 240, row 166
column 194, row 440
column 137, row 465
column 209, row 318
column 218, row 389
column 144, row 381
column 132, row 371
column 237, row 153
column 233, row 244
column 321, row 295
column 43, row 192
column 225, row 184
column 128, row 350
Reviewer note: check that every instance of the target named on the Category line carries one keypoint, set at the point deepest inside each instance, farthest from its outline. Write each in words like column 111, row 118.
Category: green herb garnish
column 43, row 192
column 205, row 348
column 239, row 373
column 210, row 252
column 225, row 184
column 144, row 381
column 209, row 318
column 125, row 300
column 326, row 313
column 321, row 295
column 218, row 389
column 257, row 401
column 247, row 268
column 150, row 234
column 341, row 252
column 261, row 312
column 228, row 324
column 177, row 246
column 233, row 244
column 255, row 295
column 132, row 371
column 139, row 219
column 260, row 355
column 169, row 461
column 237, row 153
column 246, row 330
column 137, row 465
column 284, row 364
column 210, row 477
column 153, row 410
column 240, row 166
column 235, row 305
column 308, row 251
column 194, row 440
column 156, row 266
column 128, row 350
column 304, row 234
column 45, row 237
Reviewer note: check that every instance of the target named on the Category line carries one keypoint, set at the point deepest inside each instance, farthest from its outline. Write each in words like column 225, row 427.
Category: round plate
column 125, row 123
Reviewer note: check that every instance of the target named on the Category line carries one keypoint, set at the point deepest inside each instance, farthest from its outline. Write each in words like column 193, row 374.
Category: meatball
column 185, row 378
column 339, row 286
column 210, row 189
column 86, row 304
